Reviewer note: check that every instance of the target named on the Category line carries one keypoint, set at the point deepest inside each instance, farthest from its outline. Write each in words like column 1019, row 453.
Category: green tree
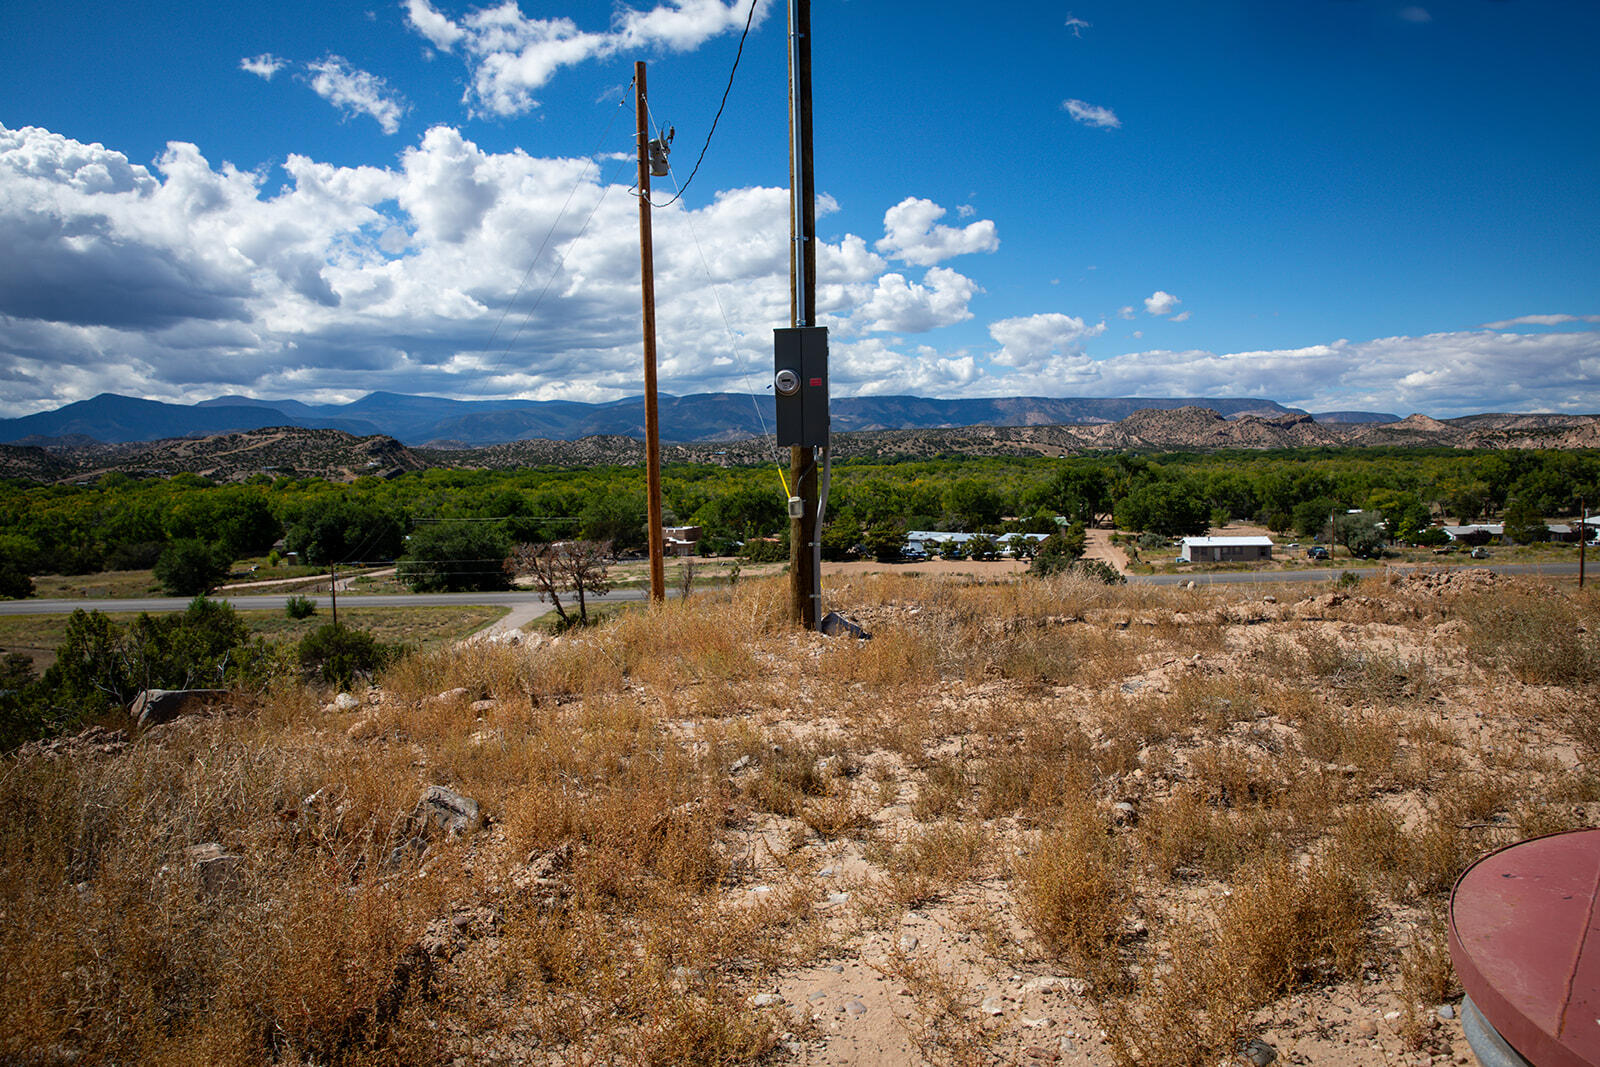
column 1311, row 517
column 455, row 557
column 1077, row 491
column 749, row 512
column 238, row 518
column 1058, row 552
column 972, row 504
column 336, row 654
column 839, row 537
column 102, row 664
column 1524, row 524
column 1167, row 507
column 885, row 542
column 189, row 567
column 345, row 530
column 619, row 518
column 1360, row 534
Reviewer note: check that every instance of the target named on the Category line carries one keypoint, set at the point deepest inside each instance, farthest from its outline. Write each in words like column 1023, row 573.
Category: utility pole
column 647, row 286
column 805, row 579
column 1583, row 536
column 333, row 590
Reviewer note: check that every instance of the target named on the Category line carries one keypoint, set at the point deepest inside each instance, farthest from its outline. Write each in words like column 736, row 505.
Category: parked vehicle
column 1480, row 553
column 1317, row 552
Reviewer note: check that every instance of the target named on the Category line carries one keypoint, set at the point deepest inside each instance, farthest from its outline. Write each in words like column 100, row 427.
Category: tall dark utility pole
column 807, row 347
column 647, row 286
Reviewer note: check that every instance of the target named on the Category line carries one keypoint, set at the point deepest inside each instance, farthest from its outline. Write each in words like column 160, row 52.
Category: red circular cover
column 1522, row 935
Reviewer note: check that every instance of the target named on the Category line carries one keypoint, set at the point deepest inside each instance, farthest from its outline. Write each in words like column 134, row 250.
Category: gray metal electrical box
column 800, row 384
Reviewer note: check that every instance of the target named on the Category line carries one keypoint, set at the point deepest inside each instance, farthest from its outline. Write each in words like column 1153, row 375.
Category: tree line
column 453, row 529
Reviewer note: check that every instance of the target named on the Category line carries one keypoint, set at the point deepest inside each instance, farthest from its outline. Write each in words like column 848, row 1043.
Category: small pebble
column 909, row 942
column 992, row 1006
column 856, row 1008
column 1446, row 1011
column 837, row 898
column 766, row 1000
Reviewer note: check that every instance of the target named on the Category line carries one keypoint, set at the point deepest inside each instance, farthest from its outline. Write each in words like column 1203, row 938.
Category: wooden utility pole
column 805, row 583
column 1583, row 537
column 647, row 286
column 333, row 590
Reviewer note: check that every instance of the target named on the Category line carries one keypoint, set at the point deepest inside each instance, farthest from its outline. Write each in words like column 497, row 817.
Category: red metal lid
column 1522, row 935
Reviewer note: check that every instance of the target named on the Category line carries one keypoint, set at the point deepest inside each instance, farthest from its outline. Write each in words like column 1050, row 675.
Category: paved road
column 521, row 599
column 1330, row 574
column 524, row 600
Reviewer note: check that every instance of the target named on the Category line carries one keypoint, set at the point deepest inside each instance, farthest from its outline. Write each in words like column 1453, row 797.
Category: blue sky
column 1336, row 204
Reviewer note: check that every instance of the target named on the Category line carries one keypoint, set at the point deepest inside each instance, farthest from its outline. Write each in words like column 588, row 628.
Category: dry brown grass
column 1205, row 821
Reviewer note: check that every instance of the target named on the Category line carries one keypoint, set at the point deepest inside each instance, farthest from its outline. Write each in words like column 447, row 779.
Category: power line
column 726, row 90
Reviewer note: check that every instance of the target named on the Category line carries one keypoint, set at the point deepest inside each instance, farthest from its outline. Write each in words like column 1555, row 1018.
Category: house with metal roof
column 1226, row 549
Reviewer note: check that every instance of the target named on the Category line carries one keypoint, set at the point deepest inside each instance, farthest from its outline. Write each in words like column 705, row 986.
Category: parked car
column 1317, row 552
column 1480, row 553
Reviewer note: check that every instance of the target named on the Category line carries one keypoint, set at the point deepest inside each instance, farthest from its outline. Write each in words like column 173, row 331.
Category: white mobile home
column 1226, row 549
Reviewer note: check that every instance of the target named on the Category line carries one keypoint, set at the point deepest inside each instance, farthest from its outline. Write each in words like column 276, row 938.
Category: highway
column 275, row 602
column 526, row 599
column 1331, row 574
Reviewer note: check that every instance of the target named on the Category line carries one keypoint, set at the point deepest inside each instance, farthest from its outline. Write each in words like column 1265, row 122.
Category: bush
column 102, row 664
column 14, row 584
column 336, row 654
column 1430, row 537
column 758, row 550
column 189, row 567
column 1059, row 552
column 299, row 607
column 455, row 557
column 1098, row 570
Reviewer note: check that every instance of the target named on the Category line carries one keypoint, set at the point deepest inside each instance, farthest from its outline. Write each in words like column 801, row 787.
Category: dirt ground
column 1029, row 822
column 953, row 974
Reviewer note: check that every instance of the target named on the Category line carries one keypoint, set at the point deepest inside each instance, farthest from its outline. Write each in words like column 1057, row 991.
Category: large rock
column 155, row 706
column 447, row 811
column 220, row 871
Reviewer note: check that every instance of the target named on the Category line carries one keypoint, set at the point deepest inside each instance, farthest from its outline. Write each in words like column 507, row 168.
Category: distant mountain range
column 334, row 454
column 707, row 417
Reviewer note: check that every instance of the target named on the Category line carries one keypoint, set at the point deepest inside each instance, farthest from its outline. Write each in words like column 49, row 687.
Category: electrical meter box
column 800, row 384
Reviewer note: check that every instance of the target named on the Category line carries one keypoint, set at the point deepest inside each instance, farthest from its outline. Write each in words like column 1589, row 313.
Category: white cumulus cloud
column 356, row 92
column 263, row 66
column 1031, row 340
column 511, row 56
column 1160, row 303
column 901, row 306
column 912, row 233
column 1092, row 114
column 1539, row 320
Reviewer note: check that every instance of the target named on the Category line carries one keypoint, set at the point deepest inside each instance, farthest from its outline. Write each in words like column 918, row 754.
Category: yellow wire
column 783, row 482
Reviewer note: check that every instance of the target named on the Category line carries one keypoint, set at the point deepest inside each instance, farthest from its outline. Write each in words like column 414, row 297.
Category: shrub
column 1059, row 552
column 455, row 557
column 102, row 664
column 1098, row 570
column 1539, row 640
column 337, row 653
column 14, row 585
column 299, row 607
column 190, row 567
